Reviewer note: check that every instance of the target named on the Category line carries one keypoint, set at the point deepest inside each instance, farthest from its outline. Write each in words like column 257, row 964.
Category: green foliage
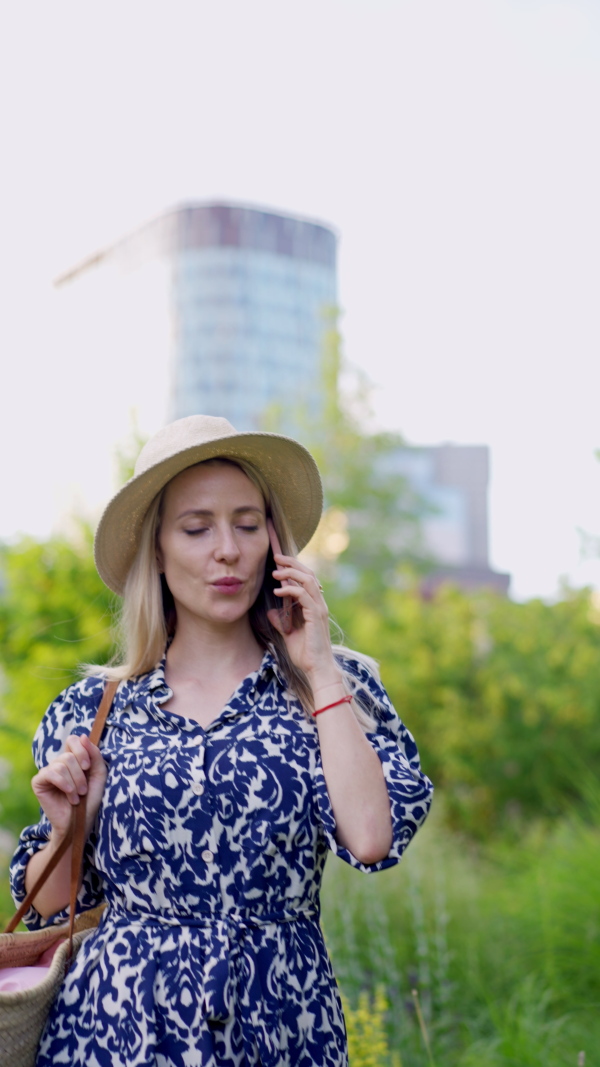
column 525, row 1031
column 55, row 613
column 503, row 698
column 501, row 945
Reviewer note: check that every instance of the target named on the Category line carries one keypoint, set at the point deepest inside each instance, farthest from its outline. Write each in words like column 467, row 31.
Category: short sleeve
column 73, row 711
column 409, row 790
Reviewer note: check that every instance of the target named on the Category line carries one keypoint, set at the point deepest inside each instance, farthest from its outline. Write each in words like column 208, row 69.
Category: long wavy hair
column 148, row 617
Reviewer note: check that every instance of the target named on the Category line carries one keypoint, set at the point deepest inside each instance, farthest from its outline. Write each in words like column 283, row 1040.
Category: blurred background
column 374, row 226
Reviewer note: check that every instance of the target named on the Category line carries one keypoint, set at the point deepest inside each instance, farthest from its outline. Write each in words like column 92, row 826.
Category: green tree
column 503, row 698
column 55, row 613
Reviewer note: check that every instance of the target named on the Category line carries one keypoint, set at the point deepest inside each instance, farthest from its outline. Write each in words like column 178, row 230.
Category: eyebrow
column 210, row 514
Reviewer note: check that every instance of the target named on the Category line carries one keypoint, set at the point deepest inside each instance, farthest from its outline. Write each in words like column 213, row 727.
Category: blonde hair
column 148, row 618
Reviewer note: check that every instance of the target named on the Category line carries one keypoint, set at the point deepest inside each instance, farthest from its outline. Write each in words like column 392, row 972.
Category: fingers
column 297, row 591
column 292, row 570
column 304, row 578
column 59, row 775
column 291, row 561
column 305, row 606
column 96, row 762
column 77, row 745
column 67, row 772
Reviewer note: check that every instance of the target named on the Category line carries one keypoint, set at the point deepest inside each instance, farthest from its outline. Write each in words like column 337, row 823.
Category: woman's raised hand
column 79, row 769
column 308, row 644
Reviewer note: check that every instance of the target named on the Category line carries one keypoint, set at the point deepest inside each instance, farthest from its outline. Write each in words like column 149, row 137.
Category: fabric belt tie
column 230, row 973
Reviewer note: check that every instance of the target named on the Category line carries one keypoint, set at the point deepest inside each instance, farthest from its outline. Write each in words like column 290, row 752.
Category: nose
column 226, row 547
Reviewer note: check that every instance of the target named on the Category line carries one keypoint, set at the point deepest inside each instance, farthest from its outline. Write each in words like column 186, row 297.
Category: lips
column 228, row 585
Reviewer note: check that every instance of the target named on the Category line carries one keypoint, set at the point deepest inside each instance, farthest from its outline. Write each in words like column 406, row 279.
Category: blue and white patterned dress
column 209, row 848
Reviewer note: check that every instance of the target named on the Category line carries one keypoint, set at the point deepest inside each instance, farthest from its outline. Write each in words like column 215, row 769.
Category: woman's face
column 213, row 542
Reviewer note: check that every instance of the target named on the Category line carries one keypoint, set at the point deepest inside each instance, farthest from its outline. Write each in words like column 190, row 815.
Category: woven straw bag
column 23, row 1012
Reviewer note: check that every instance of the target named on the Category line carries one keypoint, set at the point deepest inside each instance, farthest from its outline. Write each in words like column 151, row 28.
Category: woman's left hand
column 308, row 644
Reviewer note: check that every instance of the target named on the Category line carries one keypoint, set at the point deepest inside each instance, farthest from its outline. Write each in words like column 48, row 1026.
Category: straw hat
column 287, row 467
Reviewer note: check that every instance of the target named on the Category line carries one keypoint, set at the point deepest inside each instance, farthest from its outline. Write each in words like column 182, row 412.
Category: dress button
column 197, row 788
column 207, row 856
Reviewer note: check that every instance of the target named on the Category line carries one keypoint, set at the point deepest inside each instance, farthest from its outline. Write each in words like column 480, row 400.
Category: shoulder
column 72, row 711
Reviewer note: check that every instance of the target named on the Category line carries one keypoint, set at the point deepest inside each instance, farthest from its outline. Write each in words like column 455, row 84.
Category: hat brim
column 287, row 467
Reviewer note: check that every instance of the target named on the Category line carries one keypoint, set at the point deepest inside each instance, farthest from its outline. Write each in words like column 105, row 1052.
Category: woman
column 229, row 765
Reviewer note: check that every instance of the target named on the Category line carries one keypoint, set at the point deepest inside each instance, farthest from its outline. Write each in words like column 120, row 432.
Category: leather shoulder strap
column 79, row 811
column 75, row 835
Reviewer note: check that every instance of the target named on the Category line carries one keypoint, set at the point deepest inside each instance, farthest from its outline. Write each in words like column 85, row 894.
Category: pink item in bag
column 15, row 978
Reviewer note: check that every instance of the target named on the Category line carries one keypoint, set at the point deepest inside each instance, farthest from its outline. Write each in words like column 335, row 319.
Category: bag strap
column 75, row 834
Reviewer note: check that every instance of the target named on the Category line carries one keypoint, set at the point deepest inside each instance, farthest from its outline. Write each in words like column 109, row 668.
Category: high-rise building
column 453, row 482
column 239, row 307
column 220, row 309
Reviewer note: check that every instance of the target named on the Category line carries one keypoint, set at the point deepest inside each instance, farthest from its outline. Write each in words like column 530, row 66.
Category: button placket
column 198, row 770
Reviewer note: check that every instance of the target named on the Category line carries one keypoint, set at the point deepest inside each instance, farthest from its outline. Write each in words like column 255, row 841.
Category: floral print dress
column 209, row 848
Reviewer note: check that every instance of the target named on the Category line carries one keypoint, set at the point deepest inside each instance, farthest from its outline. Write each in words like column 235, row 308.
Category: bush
column 55, row 613
column 503, row 698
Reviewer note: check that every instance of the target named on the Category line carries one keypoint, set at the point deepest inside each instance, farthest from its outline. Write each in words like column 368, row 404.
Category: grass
column 501, row 944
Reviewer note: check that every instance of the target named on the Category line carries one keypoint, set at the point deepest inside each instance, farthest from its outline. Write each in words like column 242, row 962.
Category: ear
column 159, row 561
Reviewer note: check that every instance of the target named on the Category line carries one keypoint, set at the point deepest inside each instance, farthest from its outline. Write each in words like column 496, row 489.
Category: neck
column 199, row 649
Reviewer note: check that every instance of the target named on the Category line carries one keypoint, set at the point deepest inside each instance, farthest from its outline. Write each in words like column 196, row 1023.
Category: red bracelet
column 342, row 700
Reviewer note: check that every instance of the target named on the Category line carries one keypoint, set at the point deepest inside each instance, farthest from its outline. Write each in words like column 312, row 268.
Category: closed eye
column 203, row 529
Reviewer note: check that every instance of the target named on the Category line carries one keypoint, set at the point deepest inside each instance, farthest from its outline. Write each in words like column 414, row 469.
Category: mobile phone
column 287, row 602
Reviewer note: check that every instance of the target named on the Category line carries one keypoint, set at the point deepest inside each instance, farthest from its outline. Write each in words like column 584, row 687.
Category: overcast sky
column 452, row 143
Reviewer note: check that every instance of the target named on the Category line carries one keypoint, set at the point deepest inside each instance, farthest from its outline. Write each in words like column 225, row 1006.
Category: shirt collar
column 270, row 665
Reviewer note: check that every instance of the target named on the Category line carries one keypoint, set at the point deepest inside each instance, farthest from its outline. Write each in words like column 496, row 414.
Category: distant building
column 218, row 309
column 453, row 480
column 237, row 304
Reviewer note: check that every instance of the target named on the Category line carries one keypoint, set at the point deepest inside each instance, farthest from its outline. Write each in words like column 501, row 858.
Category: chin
column 231, row 613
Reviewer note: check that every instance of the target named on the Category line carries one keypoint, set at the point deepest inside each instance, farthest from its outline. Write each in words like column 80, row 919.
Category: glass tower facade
column 250, row 290
column 235, row 300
